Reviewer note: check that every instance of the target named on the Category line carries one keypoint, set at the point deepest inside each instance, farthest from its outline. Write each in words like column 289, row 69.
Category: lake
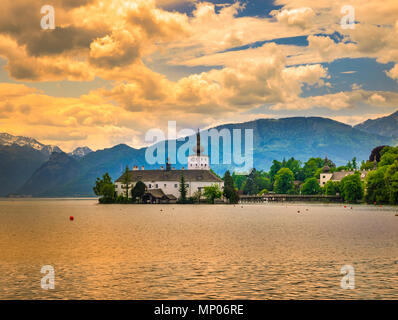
column 258, row 251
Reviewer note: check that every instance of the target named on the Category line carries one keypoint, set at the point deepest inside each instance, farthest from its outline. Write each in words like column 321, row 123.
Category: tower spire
column 198, row 143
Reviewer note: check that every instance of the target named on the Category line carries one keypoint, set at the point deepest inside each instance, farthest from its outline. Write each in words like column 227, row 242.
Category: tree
column 276, row 166
column 239, row 180
column 332, row 188
column 126, row 182
column 389, row 155
column 183, row 191
column 229, row 188
column 391, row 178
column 311, row 187
column 250, row 184
column 212, row 192
column 138, row 191
column 376, row 154
column 104, row 187
column 295, row 166
column 354, row 163
column 100, row 183
column 284, row 181
column 368, row 165
column 311, row 166
column 376, row 187
column 351, row 188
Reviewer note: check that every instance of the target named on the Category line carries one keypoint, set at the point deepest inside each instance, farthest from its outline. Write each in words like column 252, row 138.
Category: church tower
column 198, row 161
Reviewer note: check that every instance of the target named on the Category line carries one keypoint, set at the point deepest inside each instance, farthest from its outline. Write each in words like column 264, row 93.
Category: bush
column 352, row 188
column 311, row 187
column 332, row 188
column 376, row 187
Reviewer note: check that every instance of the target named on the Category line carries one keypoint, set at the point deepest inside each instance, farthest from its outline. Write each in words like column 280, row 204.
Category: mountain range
column 386, row 126
column 28, row 167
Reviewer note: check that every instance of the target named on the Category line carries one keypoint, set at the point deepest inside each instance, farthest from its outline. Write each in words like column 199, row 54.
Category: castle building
column 328, row 175
column 163, row 185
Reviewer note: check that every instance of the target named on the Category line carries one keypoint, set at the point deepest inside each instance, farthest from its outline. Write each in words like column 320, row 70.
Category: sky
column 111, row 70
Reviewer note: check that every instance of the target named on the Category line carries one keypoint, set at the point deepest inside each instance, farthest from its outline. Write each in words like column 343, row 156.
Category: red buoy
column 71, row 218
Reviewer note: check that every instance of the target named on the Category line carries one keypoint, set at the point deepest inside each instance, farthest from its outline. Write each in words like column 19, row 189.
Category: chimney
column 142, row 168
column 135, row 168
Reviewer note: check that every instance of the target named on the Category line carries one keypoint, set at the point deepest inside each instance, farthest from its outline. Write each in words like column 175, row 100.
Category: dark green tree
column 354, row 163
column 138, row 191
column 376, row 154
column 104, row 187
column 311, row 187
column 230, row 191
column 183, row 191
column 100, row 183
column 284, row 181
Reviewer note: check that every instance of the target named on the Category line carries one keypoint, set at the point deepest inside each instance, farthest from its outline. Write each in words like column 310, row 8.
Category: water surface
column 196, row 252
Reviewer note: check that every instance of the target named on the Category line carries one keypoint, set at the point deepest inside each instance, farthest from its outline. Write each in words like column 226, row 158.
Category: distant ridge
column 385, row 126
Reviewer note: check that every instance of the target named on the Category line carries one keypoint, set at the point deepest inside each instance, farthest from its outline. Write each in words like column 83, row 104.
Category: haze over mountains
column 28, row 167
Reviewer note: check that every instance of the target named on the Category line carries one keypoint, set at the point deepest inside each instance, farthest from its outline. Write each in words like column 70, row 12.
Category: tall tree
column 104, row 187
column 284, row 181
column 100, row 183
column 276, row 166
column 126, row 182
column 183, row 190
column 354, row 163
column 229, row 188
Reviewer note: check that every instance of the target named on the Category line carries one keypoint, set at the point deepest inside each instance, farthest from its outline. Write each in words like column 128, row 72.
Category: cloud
column 393, row 73
column 300, row 17
column 117, row 41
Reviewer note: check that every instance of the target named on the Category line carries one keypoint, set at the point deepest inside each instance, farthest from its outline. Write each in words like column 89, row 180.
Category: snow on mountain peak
column 9, row 140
